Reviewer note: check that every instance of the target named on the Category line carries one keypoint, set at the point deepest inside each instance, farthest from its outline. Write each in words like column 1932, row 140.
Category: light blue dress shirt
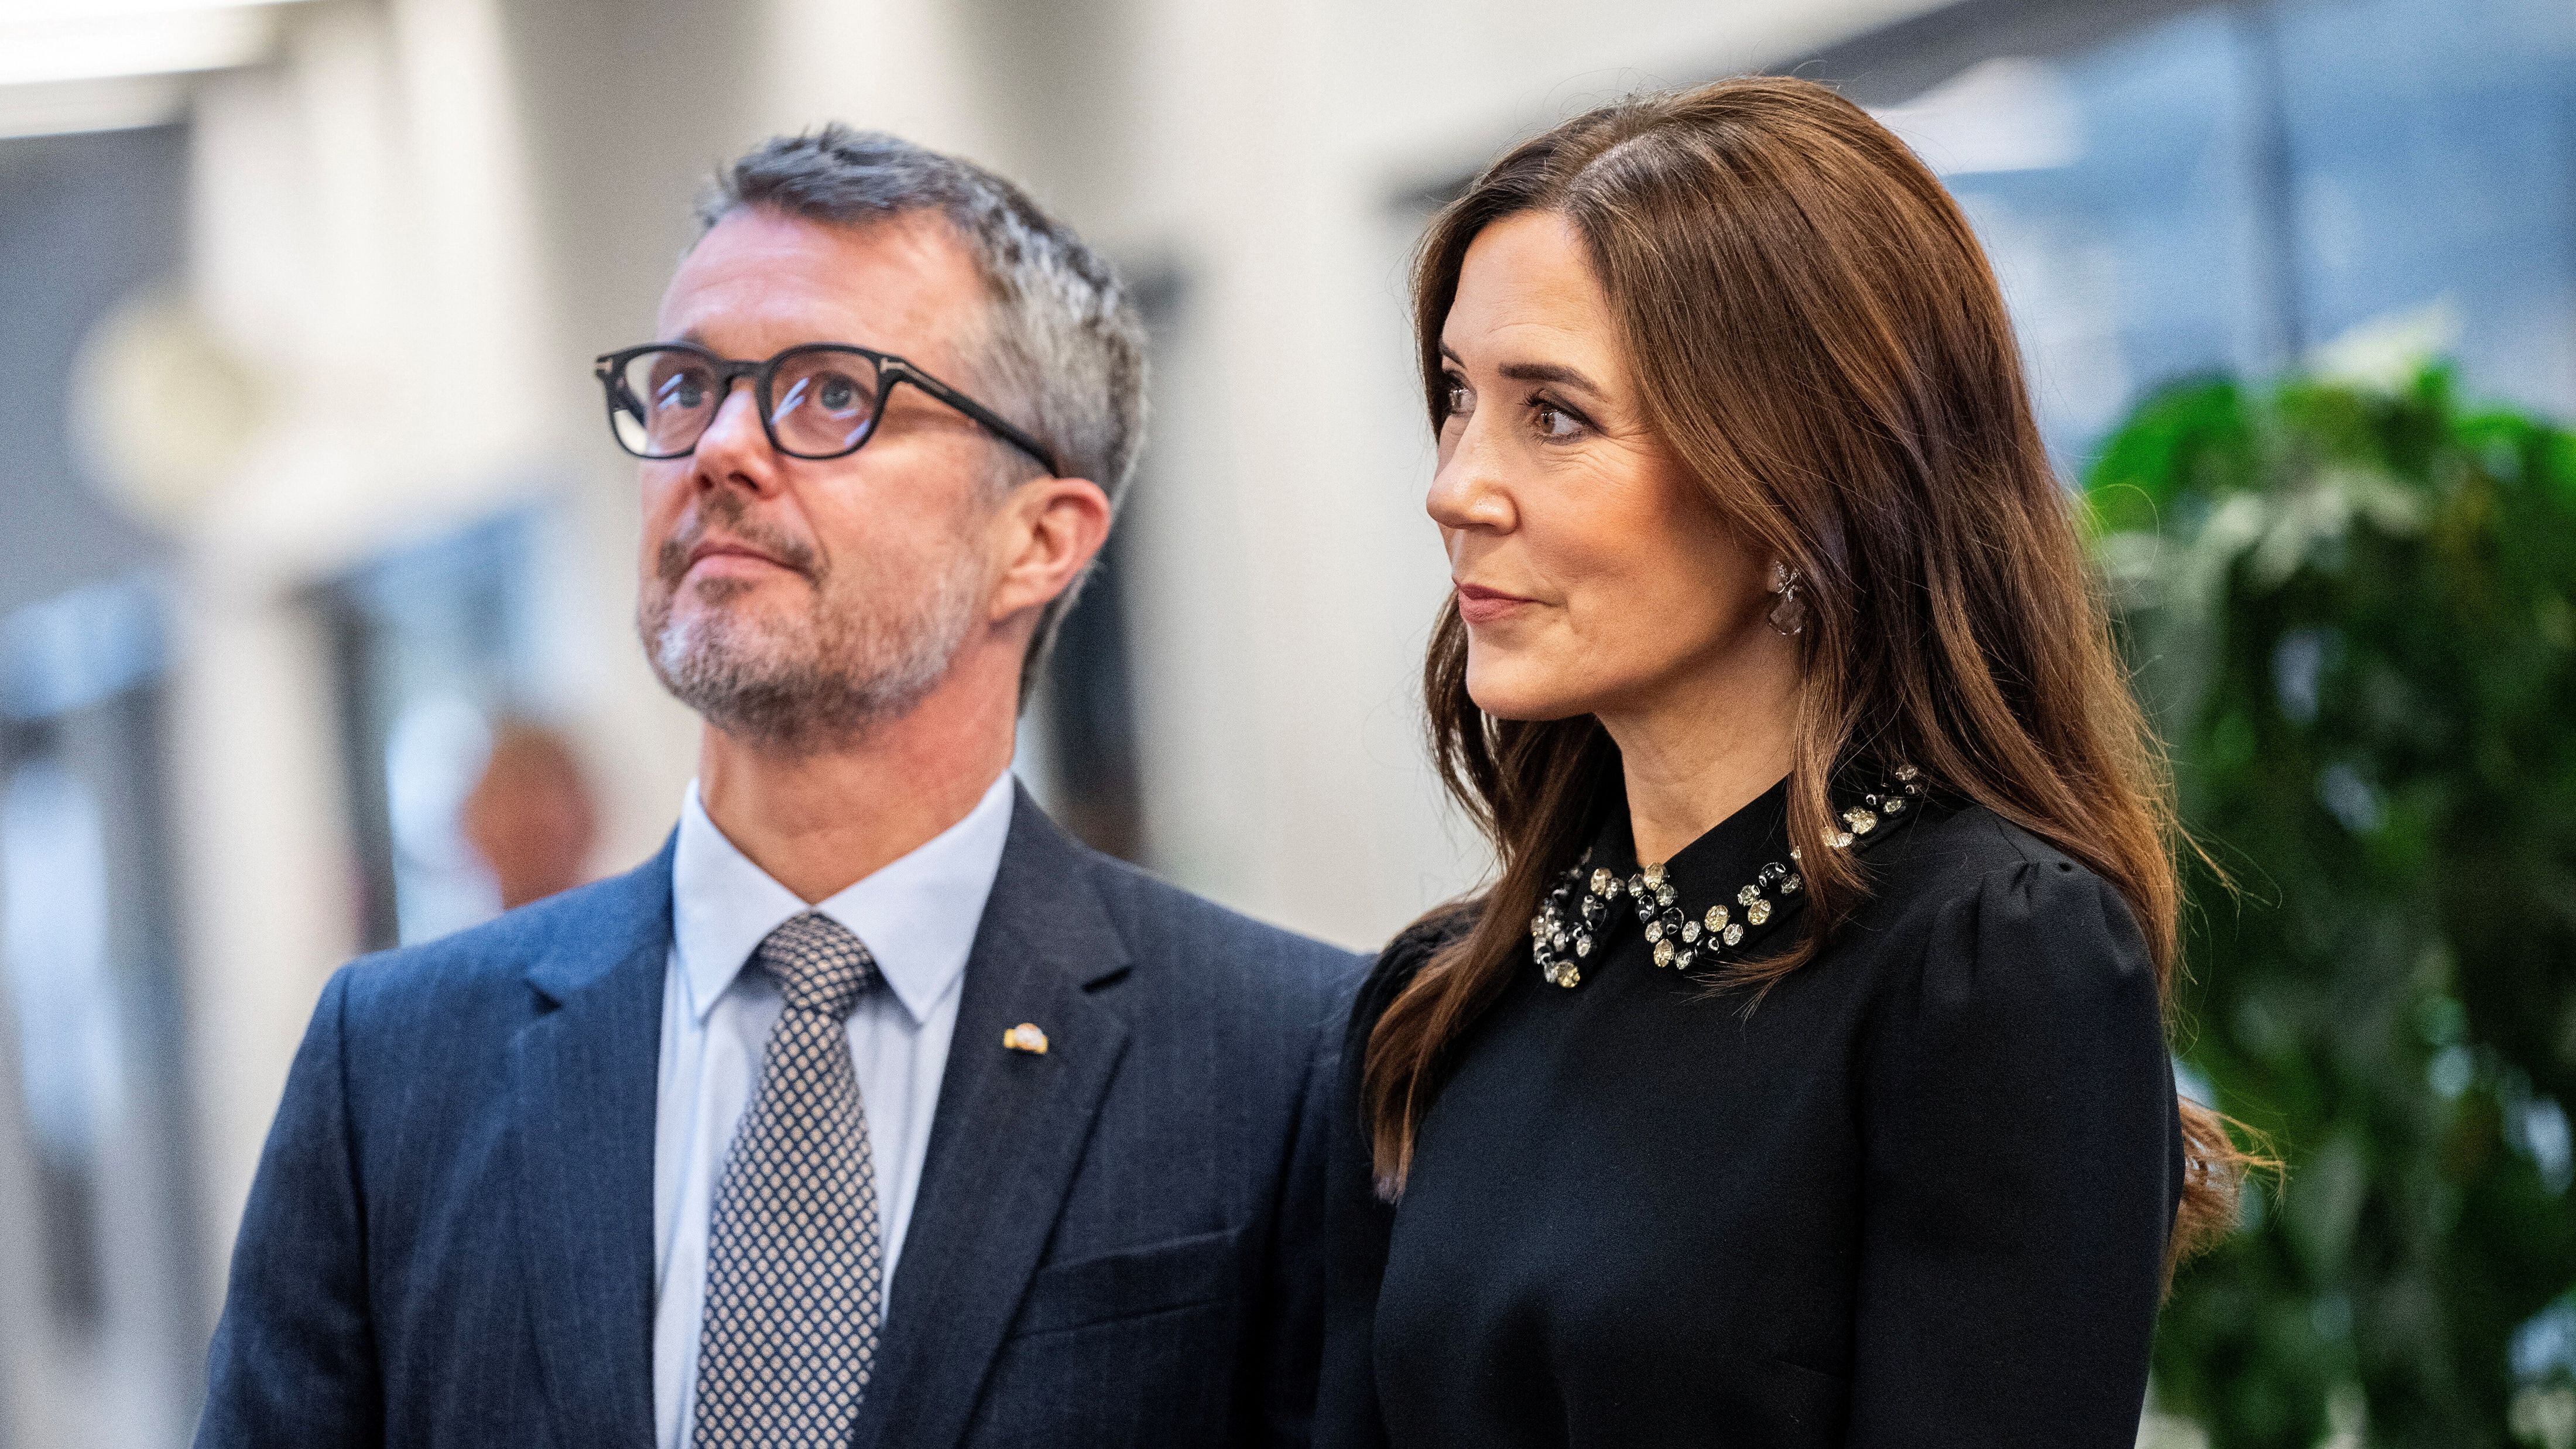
column 918, row 917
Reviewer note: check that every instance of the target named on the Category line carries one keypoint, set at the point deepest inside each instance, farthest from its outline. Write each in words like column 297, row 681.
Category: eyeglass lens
column 822, row 402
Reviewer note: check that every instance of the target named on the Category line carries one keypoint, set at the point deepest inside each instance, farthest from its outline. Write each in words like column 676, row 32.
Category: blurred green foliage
column 2349, row 607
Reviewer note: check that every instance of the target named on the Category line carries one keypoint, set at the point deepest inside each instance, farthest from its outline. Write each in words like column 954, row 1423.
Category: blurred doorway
column 100, row 1315
column 1079, row 739
column 432, row 647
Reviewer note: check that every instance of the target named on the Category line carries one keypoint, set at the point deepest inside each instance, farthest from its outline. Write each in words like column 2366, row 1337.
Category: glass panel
column 2107, row 186
column 96, row 1147
column 433, row 646
column 433, row 756
column 53, row 933
column 2431, row 145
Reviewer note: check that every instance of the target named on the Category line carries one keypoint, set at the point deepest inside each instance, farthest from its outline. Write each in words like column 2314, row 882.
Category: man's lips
column 728, row 557
column 1480, row 605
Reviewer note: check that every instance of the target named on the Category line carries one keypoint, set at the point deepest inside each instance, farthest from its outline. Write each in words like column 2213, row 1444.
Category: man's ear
column 1051, row 529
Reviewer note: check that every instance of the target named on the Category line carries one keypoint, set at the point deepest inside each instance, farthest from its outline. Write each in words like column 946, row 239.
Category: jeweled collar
column 1579, row 916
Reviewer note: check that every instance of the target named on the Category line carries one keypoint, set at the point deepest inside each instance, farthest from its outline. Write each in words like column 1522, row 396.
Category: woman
column 1801, row 1080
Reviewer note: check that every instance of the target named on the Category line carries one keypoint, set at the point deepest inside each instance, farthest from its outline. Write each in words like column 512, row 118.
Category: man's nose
column 735, row 448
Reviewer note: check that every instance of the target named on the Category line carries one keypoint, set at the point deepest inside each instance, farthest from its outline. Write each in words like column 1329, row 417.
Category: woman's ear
column 1050, row 529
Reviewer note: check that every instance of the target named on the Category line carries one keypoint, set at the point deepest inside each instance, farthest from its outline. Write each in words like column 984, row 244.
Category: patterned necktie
column 793, row 1254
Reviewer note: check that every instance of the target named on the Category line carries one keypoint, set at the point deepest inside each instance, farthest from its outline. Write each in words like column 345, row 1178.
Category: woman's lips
column 1480, row 605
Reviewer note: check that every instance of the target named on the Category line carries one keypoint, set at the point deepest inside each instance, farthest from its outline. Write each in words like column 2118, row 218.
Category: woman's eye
column 1454, row 401
column 1554, row 423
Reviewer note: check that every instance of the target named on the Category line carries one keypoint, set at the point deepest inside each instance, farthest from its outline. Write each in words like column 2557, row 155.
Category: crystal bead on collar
column 1576, row 916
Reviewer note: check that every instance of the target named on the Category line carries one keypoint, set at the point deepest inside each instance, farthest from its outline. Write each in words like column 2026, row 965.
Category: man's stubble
column 859, row 655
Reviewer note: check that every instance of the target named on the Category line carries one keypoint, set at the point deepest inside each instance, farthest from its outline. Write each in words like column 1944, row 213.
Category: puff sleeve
column 2022, row 1161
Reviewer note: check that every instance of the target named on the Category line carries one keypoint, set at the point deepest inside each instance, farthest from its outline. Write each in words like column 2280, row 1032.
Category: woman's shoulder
column 1969, row 852
column 1996, row 913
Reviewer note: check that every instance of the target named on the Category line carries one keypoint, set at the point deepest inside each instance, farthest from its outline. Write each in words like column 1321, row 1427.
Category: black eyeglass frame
column 891, row 371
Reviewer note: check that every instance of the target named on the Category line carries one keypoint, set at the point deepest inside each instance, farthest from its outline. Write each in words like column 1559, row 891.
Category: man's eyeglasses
column 821, row 400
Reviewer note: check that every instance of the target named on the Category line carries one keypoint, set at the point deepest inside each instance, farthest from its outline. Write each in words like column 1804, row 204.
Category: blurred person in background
column 1802, row 1079
column 530, row 814
column 873, row 1110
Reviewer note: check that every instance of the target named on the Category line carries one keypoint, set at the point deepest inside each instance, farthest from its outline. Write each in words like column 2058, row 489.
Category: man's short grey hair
column 1063, row 351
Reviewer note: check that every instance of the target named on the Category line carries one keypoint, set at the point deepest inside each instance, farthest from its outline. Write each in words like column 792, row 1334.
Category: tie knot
column 818, row 963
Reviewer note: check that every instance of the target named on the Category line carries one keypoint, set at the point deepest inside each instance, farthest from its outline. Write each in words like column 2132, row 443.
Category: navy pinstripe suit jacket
column 1115, row 1243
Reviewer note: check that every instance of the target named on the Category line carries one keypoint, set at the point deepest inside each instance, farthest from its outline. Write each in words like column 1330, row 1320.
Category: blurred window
column 2170, row 188
column 2124, row 246
column 105, row 1341
column 1086, row 728
column 53, row 931
column 1078, row 748
column 95, row 1086
column 2432, row 147
column 429, row 646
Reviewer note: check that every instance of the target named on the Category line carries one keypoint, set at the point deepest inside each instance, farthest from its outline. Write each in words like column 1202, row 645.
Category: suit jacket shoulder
column 486, row 966
column 434, row 1020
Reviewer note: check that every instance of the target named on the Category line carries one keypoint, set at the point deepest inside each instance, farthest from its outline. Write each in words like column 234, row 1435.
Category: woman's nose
column 1468, row 490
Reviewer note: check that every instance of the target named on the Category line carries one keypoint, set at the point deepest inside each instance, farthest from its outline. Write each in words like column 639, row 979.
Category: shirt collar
column 1723, row 856
column 918, row 914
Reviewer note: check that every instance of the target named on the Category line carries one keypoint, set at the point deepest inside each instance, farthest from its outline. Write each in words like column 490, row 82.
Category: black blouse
column 1918, row 1196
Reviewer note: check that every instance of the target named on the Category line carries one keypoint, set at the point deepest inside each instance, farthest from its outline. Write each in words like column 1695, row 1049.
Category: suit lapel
column 583, row 1088
column 1007, row 1138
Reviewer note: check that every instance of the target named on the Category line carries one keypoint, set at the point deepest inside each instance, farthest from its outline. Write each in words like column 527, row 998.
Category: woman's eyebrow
column 1552, row 372
column 1538, row 372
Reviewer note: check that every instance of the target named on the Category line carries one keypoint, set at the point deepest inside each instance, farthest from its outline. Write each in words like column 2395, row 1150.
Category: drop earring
column 1788, row 611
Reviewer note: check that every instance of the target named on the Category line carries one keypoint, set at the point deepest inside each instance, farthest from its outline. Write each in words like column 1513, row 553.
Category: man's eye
column 684, row 392
column 837, row 394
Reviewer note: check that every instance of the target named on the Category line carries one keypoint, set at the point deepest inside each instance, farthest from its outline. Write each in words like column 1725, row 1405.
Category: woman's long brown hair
column 1816, row 335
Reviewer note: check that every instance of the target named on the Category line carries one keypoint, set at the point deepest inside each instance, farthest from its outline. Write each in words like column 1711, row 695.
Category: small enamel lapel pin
column 1025, row 1038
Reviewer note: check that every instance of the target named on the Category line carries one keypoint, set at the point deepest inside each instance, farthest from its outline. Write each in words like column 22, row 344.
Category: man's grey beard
column 805, row 689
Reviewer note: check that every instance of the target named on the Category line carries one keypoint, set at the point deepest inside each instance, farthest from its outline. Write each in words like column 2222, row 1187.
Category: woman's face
column 1592, row 571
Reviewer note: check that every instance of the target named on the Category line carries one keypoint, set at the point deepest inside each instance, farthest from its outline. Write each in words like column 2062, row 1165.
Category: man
column 874, row 1110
